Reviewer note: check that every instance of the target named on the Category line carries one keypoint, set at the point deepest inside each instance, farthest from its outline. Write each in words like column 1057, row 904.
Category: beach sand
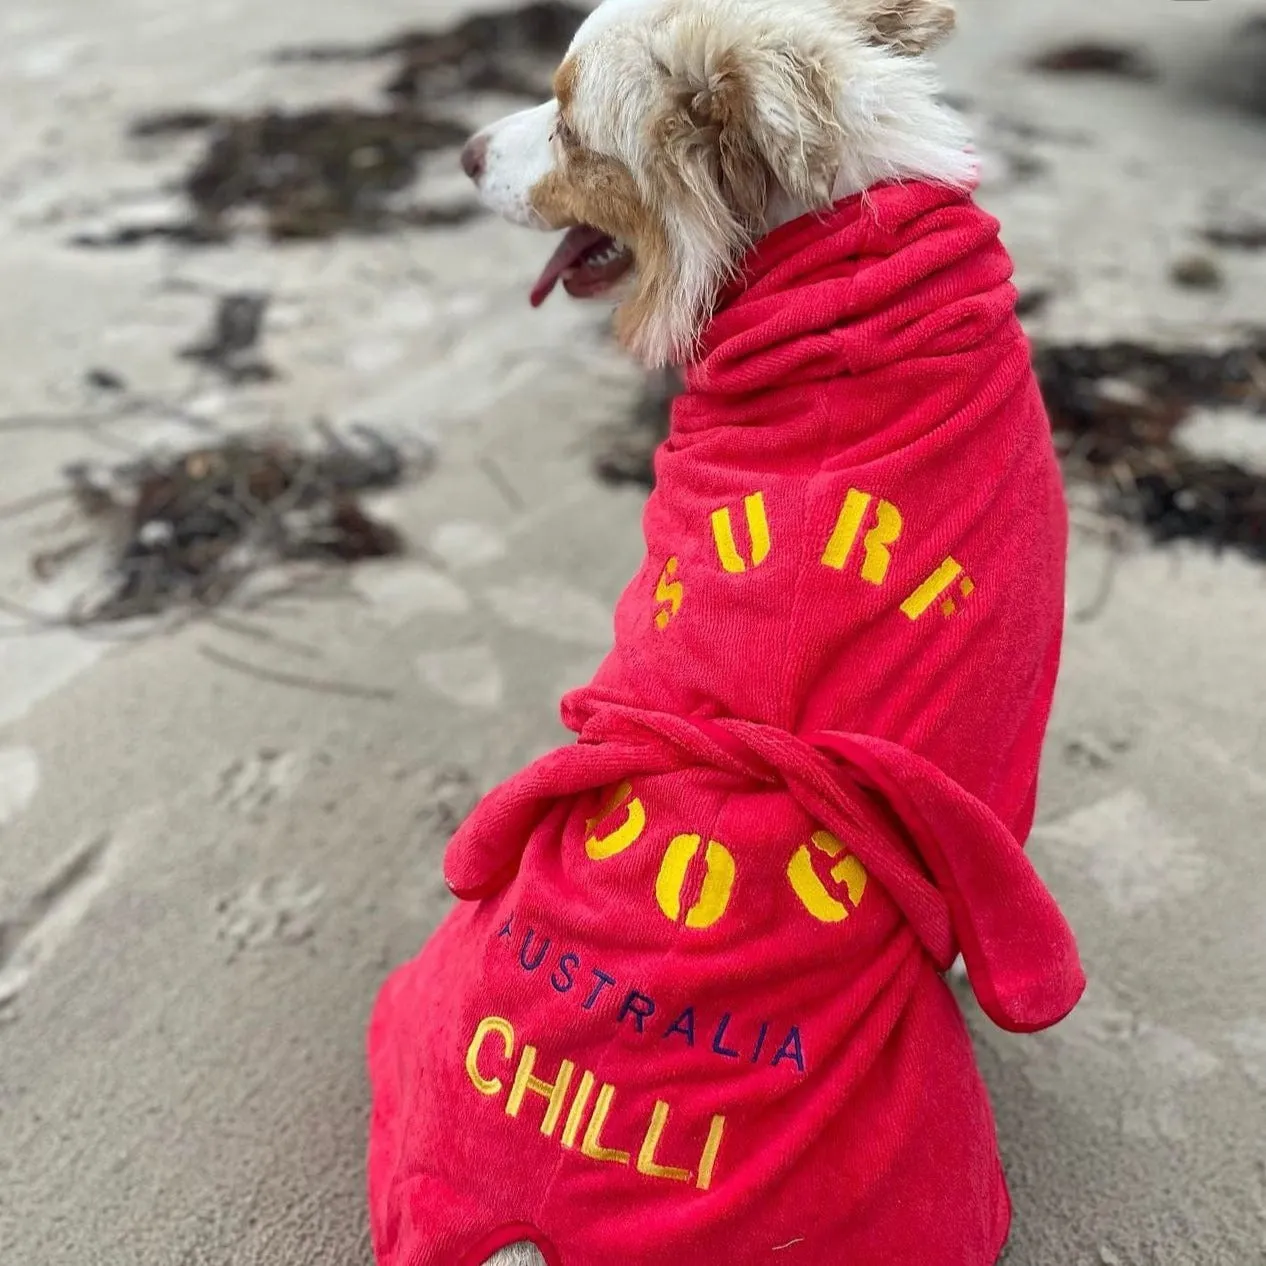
column 204, row 874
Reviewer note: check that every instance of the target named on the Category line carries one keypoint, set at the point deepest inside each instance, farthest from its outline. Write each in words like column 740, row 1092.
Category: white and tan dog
column 681, row 131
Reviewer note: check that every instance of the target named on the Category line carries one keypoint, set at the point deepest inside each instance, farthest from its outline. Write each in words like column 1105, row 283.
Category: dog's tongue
column 576, row 244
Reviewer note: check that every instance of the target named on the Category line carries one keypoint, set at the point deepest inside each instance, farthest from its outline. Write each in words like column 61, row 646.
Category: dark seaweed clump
column 187, row 530
column 348, row 169
column 1115, row 410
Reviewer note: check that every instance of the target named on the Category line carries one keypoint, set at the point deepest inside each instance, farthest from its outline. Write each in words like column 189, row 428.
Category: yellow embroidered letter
column 556, row 1094
column 885, row 533
column 669, row 595
column 718, row 881
column 757, row 530
column 840, row 546
column 877, row 556
column 708, row 1162
column 646, row 1163
column 602, row 847
column 935, row 586
column 576, row 1117
column 493, row 1024
column 592, row 1145
column 848, row 872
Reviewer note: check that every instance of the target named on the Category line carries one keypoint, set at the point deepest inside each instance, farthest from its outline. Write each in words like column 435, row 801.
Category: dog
column 680, row 133
column 692, row 1006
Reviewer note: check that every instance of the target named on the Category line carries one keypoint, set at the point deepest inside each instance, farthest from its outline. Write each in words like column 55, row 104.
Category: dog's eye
column 562, row 133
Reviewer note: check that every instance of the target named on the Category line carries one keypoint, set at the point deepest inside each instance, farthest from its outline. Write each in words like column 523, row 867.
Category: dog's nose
column 475, row 157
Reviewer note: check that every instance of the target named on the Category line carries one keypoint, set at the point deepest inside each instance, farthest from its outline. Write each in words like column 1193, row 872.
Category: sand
column 204, row 875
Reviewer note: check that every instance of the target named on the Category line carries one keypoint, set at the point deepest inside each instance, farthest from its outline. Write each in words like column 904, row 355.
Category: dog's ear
column 758, row 116
column 910, row 27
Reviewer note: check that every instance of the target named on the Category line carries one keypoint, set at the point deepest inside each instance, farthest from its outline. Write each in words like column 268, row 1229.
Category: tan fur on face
column 716, row 157
column 595, row 189
column 589, row 188
column 565, row 83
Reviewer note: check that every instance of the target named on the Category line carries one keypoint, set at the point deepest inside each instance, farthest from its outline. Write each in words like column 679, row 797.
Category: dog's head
column 682, row 130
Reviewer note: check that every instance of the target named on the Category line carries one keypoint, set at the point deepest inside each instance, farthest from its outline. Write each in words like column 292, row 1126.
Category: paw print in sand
column 250, row 784
column 271, row 911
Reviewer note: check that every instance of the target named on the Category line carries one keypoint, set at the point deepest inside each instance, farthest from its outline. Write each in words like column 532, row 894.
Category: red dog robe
column 690, row 1008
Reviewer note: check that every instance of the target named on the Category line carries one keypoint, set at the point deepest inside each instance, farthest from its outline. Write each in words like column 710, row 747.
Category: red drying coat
column 690, row 1007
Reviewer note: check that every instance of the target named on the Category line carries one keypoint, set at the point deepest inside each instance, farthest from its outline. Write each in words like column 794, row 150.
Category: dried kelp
column 1090, row 57
column 1116, row 410
column 339, row 169
column 317, row 172
column 1244, row 235
column 511, row 50
column 626, row 451
column 230, row 348
column 188, row 530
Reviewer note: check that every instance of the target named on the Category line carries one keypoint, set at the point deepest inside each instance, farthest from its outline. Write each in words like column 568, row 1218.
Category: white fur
column 886, row 110
column 516, row 1255
column 518, row 158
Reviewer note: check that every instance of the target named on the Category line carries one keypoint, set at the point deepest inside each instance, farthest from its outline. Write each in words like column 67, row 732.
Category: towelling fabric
column 690, row 1008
